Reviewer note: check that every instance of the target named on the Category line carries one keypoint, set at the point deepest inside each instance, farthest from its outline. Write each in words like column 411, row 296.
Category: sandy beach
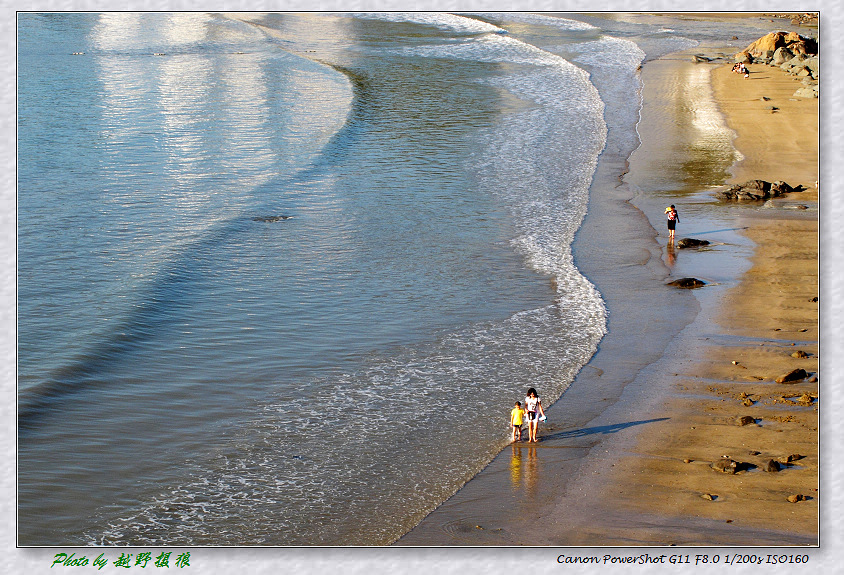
column 640, row 473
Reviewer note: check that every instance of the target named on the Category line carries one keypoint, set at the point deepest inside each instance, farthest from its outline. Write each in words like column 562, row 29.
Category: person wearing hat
column 673, row 218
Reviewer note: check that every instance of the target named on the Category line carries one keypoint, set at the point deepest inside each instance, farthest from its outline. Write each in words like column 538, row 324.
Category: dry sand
column 640, row 473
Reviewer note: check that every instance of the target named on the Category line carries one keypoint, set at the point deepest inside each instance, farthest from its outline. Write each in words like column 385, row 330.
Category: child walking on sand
column 516, row 416
column 673, row 218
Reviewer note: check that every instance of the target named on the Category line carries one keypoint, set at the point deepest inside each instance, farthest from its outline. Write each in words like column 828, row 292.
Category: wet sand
column 639, row 472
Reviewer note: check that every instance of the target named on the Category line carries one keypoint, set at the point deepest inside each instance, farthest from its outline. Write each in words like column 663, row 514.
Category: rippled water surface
column 281, row 277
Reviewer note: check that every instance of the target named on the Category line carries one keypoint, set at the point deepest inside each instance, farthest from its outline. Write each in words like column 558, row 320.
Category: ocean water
column 281, row 277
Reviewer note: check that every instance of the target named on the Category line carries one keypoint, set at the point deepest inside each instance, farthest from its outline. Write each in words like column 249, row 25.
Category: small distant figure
column 533, row 405
column 516, row 419
column 673, row 218
column 740, row 68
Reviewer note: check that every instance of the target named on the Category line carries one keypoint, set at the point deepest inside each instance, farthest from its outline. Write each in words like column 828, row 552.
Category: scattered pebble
column 806, row 400
column 796, row 497
column 725, row 466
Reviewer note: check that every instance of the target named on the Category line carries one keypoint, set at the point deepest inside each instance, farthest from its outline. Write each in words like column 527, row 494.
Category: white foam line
column 541, row 19
column 443, row 21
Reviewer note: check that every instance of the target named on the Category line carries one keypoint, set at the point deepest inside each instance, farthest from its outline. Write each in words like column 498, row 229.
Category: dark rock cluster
column 755, row 190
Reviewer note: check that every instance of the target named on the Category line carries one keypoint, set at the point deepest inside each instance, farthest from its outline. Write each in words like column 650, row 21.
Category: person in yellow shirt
column 516, row 416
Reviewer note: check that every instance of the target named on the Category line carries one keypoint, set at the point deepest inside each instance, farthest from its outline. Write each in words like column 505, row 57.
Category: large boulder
column 797, row 60
column 764, row 49
column 743, row 58
column 781, row 56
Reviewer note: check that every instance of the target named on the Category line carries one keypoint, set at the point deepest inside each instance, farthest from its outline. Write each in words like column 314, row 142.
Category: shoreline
column 595, row 480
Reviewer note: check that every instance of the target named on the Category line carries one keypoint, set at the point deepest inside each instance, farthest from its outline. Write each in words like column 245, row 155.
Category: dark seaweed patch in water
column 270, row 219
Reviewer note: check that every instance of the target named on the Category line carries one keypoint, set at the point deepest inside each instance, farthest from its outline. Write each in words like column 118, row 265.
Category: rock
column 708, row 496
column 781, row 56
column 793, row 457
column 697, row 58
column 765, row 47
column 772, row 466
column 800, row 354
column 730, row 466
column 814, row 299
column 688, row 283
column 806, row 400
column 795, row 498
column 691, row 243
column 813, row 64
column 756, row 190
column 806, row 92
column 746, row 420
column 793, row 375
column 793, row 65
column 780, row 188
column 687, row 460
column 725, row 466
column 748, row 402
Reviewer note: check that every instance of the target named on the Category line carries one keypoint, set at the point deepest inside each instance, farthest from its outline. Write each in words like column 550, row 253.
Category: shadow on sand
column 600, row 430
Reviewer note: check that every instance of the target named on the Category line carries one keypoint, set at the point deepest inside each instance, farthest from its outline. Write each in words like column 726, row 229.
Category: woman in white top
column 533, row 405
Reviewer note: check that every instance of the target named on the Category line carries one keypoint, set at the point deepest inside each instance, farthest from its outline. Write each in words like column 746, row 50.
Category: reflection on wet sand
column 670, row 254
column 523, row 472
